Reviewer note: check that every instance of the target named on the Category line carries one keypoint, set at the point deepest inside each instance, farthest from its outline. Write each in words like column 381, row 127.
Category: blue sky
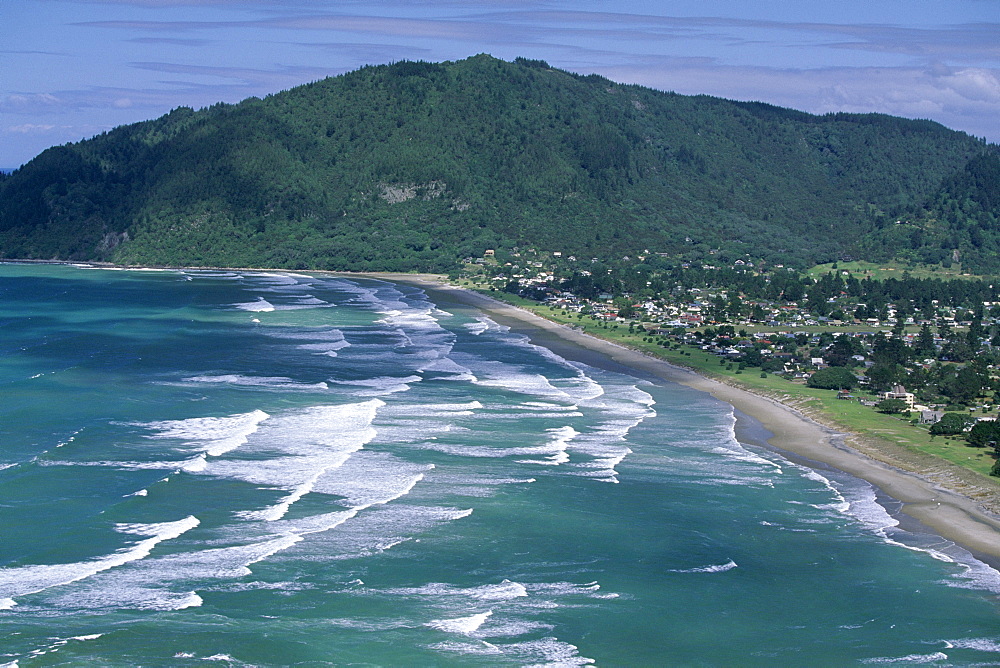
column 70, row 69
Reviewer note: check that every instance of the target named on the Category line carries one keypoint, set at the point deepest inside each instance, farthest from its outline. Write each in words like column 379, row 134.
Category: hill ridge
column 416, row 165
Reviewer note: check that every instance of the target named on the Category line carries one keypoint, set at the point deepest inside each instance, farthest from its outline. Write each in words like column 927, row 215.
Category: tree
column 889, row 351
column 753, row 357
column 925, row 341
column 883, row 376
column 841, row 351
column 951, row 423
column 833, row 378
column 963, row 386
column 892, row 406
column 984, row 433
column 772, row 364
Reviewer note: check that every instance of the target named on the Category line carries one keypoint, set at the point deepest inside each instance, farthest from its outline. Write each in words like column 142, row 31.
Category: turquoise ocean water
column 239, row 469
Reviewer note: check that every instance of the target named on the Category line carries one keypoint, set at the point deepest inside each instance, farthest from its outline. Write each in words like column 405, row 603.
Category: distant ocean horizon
column 268, row 469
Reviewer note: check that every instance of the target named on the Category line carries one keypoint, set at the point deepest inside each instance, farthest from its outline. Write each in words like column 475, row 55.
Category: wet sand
column 944, row 498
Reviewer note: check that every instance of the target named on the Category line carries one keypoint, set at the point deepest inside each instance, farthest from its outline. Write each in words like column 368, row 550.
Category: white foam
column 482, row 324
column 431, row 410
column 975, row 574
column 471, row 648
column 374, row 532
column 299, row 447
column 546, row 652
column 56, row 645
column 24, row 580
column 259, row 306
column 626, row 406
column 313, row 524
column 542, row 406
column 279, row 509
column 504, row 591
column 857, row 499
column 978, row 644
column 186, row 464
column 270, row 278
column 555, row 450
column 166, row 601
column 464, row 625
column 310, row 300
column 265, row 382
column 195, row 465
column 733, row 449
column 320, row 341
column 216, row 435
column 329, row 349
column 207, row 273
column 446, row 365
column 381, row 385
column 508, row 377
column 714, row 568
column 144, row 585
column 371, row 478
column 588, row 589
column 909, row 658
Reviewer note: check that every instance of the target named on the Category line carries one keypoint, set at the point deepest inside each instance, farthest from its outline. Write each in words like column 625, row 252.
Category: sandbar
column 945, row 499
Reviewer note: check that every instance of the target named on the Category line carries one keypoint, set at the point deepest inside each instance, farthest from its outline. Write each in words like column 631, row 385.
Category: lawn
column 893, row 269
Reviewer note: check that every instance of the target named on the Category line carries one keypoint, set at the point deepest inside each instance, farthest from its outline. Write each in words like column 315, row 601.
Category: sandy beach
column 943, row 498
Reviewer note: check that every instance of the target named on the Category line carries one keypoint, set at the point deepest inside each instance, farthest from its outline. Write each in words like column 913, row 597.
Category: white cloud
column 16, row 101
column 31, row 128
column 963, row 99
column 974, row 84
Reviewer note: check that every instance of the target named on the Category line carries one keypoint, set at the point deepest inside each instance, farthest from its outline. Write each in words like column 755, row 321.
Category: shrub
column 833, row 378
column 951, row 423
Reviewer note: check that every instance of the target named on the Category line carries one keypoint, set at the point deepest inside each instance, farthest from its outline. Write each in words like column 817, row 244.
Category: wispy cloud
column 153, row 26
column 175, row 41
column 244, row 75
column 962, row 97
column 20, row 102
column 196, row 85
column 30, row 128
column 548, row 26
column 370, row 52
column 931, row 61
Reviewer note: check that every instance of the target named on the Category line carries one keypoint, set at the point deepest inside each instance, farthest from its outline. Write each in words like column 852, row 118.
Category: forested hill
column 414, row 166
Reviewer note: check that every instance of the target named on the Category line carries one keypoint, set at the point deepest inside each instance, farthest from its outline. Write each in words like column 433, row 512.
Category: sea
column 233, row 468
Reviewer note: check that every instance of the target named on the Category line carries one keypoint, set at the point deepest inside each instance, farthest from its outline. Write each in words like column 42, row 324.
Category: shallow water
column 273, row 469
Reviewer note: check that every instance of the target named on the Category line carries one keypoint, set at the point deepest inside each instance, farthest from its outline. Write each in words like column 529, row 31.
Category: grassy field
column 890, row 270
column 823, row 404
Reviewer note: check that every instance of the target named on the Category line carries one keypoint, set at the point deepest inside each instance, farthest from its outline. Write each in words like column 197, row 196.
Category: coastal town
column 925, row 351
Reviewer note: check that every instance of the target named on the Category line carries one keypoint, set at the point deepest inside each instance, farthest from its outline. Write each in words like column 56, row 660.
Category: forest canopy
column 417, row 166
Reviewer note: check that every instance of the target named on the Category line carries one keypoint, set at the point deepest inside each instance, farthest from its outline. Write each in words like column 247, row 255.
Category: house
column 899, row 392
column 930, row 416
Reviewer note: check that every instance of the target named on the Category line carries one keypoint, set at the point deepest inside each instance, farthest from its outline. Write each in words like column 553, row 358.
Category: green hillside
column 959, row 222
column 414, row 166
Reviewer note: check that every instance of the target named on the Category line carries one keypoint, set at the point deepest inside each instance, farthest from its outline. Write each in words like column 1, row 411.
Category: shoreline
column 927, row 503
column 935, row 497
